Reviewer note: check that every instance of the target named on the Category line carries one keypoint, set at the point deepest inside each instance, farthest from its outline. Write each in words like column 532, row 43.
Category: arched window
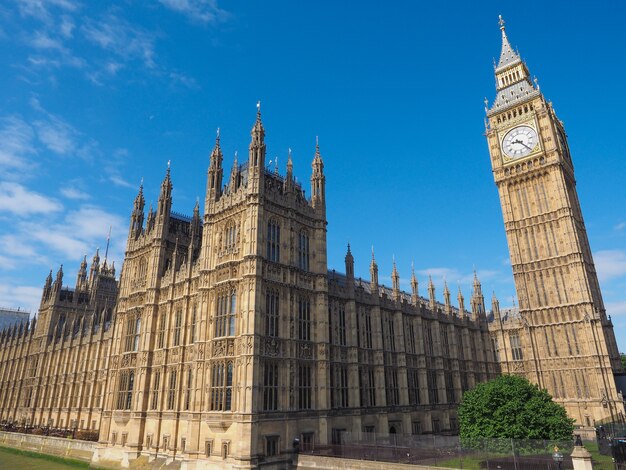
column 230, row 236
column 225, row 314
column 271, row 313
column 303, row 251
column 221, row 387
column 273, row 241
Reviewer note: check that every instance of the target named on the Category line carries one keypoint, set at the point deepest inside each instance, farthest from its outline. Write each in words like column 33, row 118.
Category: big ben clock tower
column 560, row 338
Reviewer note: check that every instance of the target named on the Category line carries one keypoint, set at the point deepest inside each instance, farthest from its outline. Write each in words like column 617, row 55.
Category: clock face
column 519, row 142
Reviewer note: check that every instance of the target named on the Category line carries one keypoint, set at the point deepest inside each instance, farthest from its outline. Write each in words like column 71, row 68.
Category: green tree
column 511, row 407
column 623, row 357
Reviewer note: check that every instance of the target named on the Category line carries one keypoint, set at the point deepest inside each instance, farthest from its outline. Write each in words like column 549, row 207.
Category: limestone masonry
column 226, row 336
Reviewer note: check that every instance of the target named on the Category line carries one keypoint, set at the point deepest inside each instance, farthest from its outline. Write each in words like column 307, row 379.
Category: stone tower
column 561, row 337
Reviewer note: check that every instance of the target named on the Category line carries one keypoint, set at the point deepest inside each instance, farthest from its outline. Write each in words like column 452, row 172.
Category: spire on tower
column 507, row 56
column 431, row 293
column 414, row 285
column 395, row 280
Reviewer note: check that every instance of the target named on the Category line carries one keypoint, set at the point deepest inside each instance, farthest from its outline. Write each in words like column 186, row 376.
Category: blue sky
column 96, row 96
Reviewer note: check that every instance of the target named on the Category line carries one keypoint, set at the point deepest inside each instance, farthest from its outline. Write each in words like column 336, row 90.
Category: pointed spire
column 507, row 56
column 395, row 281
column 373, row 274
column 495, row 305
column 431, row 294
column 414, row 285
column 318, row 180
column 349, row 264
column 446, row 297
column 258, row 132
column 165, row 197
column 461, row 300
column 215, row 173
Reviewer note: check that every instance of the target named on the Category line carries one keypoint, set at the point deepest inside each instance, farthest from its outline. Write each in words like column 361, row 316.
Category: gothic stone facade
column 561, row 337
column 246, row 341
column 53, row 371
column 230, row 336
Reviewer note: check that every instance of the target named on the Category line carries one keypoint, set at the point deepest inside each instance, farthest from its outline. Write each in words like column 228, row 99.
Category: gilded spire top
column 507, row 55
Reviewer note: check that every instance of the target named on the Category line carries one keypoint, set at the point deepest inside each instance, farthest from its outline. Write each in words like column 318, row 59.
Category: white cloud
column 25, row 297
column 40, row 9
column 57, row 135
column 200, row 11
column 16, row 143
column 121, row 38
column 619, row 227
column 74, row 193
column 616, row 308
column 453, row 275
column 18, row 200
column 610, row 264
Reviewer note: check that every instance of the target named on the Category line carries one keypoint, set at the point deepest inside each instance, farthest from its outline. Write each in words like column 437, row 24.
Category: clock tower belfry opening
column 565, row 340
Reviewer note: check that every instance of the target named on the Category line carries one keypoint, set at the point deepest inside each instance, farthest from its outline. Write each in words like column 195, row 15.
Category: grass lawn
column 600, row 462
column 26, row 460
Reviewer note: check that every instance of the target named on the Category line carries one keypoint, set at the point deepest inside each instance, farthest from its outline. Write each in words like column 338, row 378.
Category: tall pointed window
column 178, row 323
column 273, row 241
column 271, row 313
column 303, row 251
column 304, row 319
column 171, row 393
column 516, row 347
column 125, row 390
column 270, row 386
column 304, row 387
column 156, row 384
column 162, row 326
column 221, row 387
column 225, row 317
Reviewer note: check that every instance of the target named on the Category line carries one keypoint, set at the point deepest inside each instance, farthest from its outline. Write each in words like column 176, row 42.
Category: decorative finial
column 141, row 184
column 289, row 152
column 217, row 137
column 317, row 141
column 258, row 107
column 501, row 22
column 372, row 252
column 169, row 162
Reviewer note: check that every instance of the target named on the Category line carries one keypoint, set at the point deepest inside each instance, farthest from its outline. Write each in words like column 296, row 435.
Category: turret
column 477, row 301
column 318, row 180
column 373, row 274
column 195, row 232
column 164, row 206
column 446, row 298
column 414, row 286
column 47, row 288
column 136, row 218
column 461, row 300
column 431, row 294
column 289, row 176
column 151, row 219
column 495, row 306
column 349, row 271
column 215, row 173
column 234, row 175
column 81, row 277
column 256, row 155
column 395, row 282
column 58, row 282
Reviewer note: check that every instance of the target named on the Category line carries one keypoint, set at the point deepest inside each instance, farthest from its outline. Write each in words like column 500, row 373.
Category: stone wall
column 320, row 462
column 80, row 450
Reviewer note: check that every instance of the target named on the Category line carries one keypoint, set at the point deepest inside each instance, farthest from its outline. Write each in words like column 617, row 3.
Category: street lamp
column 557, row 457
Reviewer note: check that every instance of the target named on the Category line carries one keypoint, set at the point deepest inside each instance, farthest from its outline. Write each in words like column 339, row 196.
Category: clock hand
column 520, row 142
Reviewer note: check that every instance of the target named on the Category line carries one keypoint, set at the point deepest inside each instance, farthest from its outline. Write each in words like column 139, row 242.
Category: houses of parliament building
column 226, row 336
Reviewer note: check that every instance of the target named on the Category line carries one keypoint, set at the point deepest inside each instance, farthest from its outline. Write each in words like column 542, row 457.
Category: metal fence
column 447, row 451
